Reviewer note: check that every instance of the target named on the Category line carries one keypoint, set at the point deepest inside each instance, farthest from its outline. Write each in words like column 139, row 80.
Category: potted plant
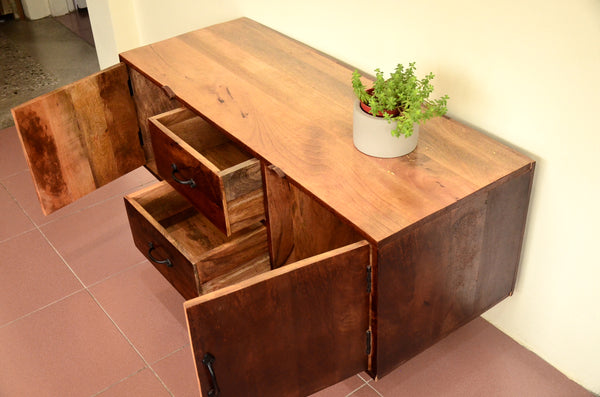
column 387, row 116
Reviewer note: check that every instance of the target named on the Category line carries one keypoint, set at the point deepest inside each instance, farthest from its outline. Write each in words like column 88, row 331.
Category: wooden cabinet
column 270, row 221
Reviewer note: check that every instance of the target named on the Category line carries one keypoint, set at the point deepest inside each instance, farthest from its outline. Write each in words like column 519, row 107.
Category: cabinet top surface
column 292, row 106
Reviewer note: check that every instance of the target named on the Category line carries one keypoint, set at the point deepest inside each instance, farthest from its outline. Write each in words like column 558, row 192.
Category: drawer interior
column 181, row 222
column 201, row 257
column 203, row 138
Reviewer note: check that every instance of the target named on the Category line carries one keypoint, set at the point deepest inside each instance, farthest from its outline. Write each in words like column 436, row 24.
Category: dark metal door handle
column 209, row 360
column 189, row 182
column 153, row 259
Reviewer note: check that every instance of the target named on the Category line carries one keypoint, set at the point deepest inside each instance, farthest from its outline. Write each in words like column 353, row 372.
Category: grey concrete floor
column 47, row 56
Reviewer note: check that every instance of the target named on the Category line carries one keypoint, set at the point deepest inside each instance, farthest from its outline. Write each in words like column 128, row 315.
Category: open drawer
column 205, row 166
column 187, row 248
column 295, row 329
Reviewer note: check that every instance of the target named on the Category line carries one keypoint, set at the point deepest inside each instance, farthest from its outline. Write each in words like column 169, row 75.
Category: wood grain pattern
column 80, row 137
column 299, row 226
column 150, row 100
column 444, row 271
column 292, row 106
column 203, row 258
column 272, row 335
column 228, row 181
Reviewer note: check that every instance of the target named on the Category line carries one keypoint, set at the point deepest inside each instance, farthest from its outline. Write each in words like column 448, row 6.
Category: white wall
column 114, row 27
column 523, row 71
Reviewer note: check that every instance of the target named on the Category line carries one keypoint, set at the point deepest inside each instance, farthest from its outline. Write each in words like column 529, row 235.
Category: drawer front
column 157, row 248
column 272, row 335
column 200, row 162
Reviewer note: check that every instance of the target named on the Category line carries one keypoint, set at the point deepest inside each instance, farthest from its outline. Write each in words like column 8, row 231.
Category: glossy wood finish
column 150, row 100
column 227, row 184
column 203, row 258
column 289, row 332
column 80, row 137
column 292, row 106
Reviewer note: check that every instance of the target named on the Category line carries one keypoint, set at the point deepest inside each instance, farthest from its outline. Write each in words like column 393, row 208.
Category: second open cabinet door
column 80, row 137
column 288, row 332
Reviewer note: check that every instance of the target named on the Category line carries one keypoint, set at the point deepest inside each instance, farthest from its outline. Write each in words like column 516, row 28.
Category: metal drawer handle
column 209, row 360
column 153, row 259
column 189, row 182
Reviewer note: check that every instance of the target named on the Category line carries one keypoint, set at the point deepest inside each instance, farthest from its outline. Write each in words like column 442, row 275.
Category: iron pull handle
column 153, row 259
column 209, row 360
column 189, row 182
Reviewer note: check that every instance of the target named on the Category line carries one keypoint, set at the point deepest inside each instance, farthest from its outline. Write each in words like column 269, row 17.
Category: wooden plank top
column 292, row 106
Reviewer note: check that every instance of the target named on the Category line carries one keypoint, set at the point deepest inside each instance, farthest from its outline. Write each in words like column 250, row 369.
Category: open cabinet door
column 80, row 137
column 288, row 332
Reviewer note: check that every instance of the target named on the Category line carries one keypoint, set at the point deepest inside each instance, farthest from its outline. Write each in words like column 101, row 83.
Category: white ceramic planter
column 373, row 136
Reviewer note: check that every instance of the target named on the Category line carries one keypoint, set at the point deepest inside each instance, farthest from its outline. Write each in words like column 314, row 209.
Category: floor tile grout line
column 46, row 238
column 146, row 363
column 374, row 389
column 86, row 289
column 91, row 205
column 19, row 234
column 5, row 177
column 365, row 380
column 357, row 389
column 42, row 308
column 120, row 272
column 118, row 382
column 171, row 353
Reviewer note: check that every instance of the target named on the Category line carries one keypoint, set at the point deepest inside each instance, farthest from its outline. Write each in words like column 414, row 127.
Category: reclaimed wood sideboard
column 302, row 260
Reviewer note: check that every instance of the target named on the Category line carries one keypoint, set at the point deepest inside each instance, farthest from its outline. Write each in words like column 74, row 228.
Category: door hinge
column 141, row 138
column 369, row 278
column 130, row 87
column 277, row 170
column 368, row 342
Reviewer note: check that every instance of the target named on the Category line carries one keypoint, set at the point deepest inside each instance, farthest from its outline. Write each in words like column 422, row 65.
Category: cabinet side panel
column 445, row 271
column 150, row 100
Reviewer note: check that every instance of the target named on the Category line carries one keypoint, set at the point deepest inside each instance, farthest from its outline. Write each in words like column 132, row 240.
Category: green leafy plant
column 402, row 98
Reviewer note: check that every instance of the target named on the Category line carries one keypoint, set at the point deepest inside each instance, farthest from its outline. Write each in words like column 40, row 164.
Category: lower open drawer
column 187, row 248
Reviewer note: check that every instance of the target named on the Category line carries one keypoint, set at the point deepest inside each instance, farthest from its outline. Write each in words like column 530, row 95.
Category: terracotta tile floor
column 82, row 313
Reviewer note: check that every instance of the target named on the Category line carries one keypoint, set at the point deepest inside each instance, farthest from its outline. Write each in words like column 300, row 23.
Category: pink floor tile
column 178, row 373
column 69, row 348
column 96, row 242
column 343, row 388
column 13, row 221
column 146, row 308
column 12, row 159
column 144, row 383
column 477, row 360
column 21, row 187
column 33, row 277
column 365, row 391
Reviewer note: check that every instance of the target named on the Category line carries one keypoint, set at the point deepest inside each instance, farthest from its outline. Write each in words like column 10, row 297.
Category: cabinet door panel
column 80, row 137
column 290, row 332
